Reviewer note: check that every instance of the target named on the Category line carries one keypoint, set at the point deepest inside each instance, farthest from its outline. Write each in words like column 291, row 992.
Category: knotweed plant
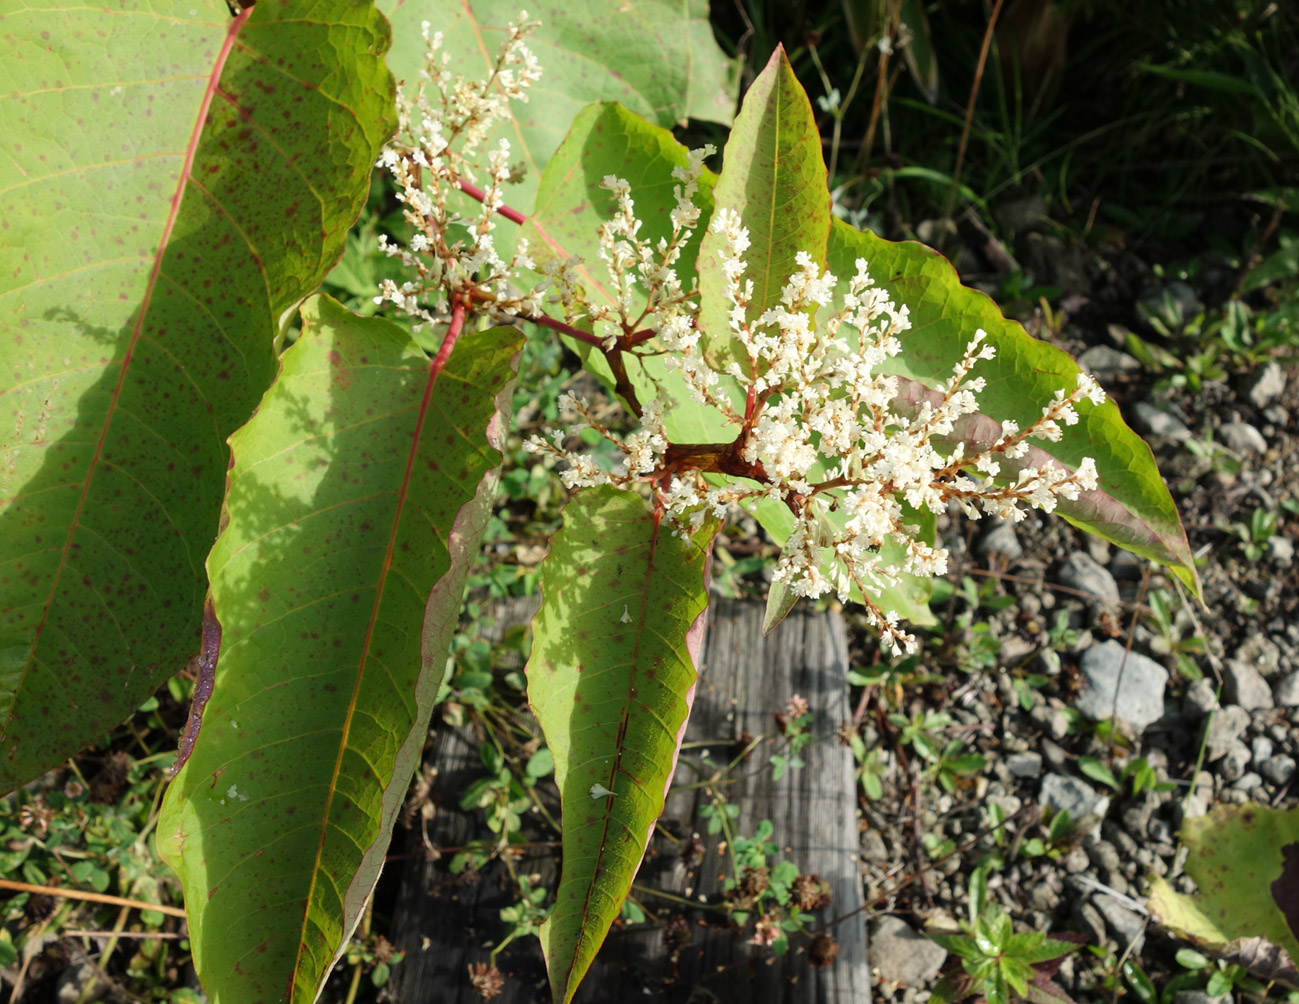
column 805, row 384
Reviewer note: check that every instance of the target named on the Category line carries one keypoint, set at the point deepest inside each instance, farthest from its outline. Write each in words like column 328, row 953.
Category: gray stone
column 1282, row 550
column 1201, row 698
column 1269, row 385
column 1247, row 781
column 1242, row 438
column 1244, row 685
column 1075, row 861
column 1159, row 423
column 1000, row 539
column 1128, row 925
column 1103, row 361
column 1061, row 793
column 1260, row 748
column 1227, row 726
column 1024, row 764
column 899, row 954
column 873, row 847
column 1126, row 686
column 1232, row 766
column 1053, row 721
column 1278, row 769
column 1104, row 856
column 1082, row 572
column 1286, row 693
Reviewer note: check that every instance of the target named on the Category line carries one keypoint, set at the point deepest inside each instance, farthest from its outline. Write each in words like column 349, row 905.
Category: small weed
column 998, row 965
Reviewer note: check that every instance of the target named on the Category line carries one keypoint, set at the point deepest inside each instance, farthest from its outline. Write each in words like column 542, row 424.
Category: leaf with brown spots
column 337, row 582
column 1244, row 858
column 173, row 181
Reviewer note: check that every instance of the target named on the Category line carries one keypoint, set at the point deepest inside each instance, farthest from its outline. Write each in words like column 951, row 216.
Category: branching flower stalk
column 820, row 426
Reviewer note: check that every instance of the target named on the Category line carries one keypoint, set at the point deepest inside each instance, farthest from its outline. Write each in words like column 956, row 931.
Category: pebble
column 1201, row 698
column 1128, row 925
column 1024, row 764
column 1244, row 685
column 1278, row 769
column 1247, row 781
column 1075, row 861
column 1159, row 423
column 1083, row 572
column 1241, row 437
column 899, row 954
column 1123, row 685
column 1000, row 539
column 1282, row 550
column 1260, row 748
column 1104, row 856
column 1103, row 361
column 1090, row 920
column 1053, row 721
column 1069, row 794
column 1269, row 386
column 1227, row 726
column 873, row 847
column 1234, row 761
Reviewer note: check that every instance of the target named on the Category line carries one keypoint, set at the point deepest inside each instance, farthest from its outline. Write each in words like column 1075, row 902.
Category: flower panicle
column 857, row 455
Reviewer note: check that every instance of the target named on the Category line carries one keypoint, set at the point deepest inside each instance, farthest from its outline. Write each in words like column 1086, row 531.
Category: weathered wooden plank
column 443, row 925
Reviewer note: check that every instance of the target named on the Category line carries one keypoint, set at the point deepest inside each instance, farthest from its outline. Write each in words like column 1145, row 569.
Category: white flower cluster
column 824, row 429
column 826, row 433
column 438, row 140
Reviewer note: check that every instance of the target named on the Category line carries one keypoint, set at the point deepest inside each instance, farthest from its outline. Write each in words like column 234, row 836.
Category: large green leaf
column 657, row 57
column 773, row 175
column 173, row 182
column 611, row 678
column 1245, row 861
column 358, row 496
column 1131, row 507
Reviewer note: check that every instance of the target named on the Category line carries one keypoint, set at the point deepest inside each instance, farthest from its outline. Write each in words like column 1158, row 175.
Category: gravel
column 1242, row 438
column 1268, row 386
column 1123, row 685
column 1062, row 793
column 1278, row 769
column 1244, row 685
column 899, row 954
column 1286, row 693
column 1083, row 572
column 1227, row 726
column 1201, row 699
column 1148, row 418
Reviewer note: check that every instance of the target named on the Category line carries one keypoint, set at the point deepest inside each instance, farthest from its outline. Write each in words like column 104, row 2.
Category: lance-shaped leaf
column 773, row 176
column 611, row 678
column 357, row 499
column 657, row 57
column 1131, row 507
column 173, row 181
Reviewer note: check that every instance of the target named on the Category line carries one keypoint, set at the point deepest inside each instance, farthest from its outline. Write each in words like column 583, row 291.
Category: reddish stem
column 453, row 335
column 567, row 329
column 474, row 192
